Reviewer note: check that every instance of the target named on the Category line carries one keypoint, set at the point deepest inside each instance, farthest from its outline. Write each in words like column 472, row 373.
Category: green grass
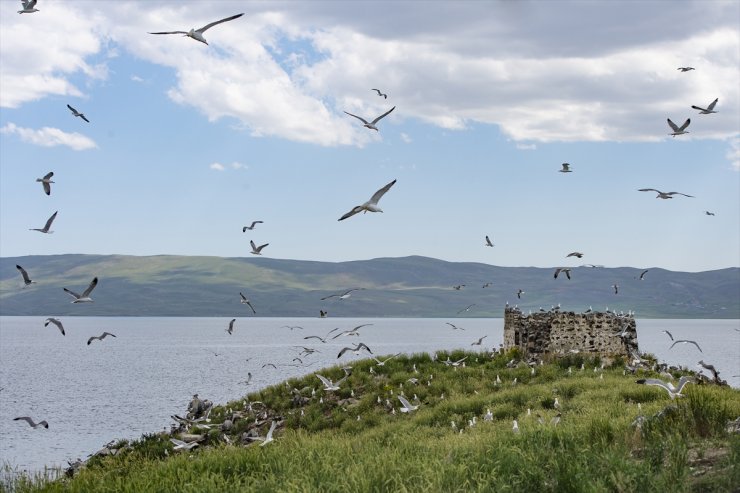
column 682, row 446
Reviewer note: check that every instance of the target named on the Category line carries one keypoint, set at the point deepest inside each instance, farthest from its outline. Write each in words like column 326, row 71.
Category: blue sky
column 187, row 143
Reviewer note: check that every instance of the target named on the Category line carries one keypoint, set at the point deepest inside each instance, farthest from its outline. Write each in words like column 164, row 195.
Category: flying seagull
column 562, row 269
column 46, row 227
column 255, row 249
column 574, row 254
column 669, row 334
column 342, row 296
column 268, row 438
column 77, row 113
column 668, row 386
column 371, row 205
column 245, row 301
column 251, row 227
column 85, row 296
column 479, row 341
column 663, row 195
column 642, row 274
column 709, row 213
column 382, row 363
column 454, row 327
column 566, row 168
column 407, row 407
column 322, row 339
column 351, row 332
column 616, row 288
column 709, row 109
column 329, row 385
column 46, row 182
column 56, row 322
column 26, row 280
column 488, row 241
column 519, row 294
column 684, row 341
column 385, row 96
column 28, row 8
column 679, row 130
column 100, row 337
column 29, row 420
column 685, row 69
column 371, row 124
column 466, row 309
column 707, row 366
column 230, row 330
column 356, row 349
column 197, row 34
column 180, row 445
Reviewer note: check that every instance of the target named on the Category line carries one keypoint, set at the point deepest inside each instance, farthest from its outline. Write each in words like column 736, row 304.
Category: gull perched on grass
column 663, row 195
column 77, row 113
column 407, row 407
column 709, row 109
column 100, row 337
column 371, row 205
column 28, row 7
column 85, row 296
column 251, row 227
column 257, row 250
column 489, row 243
column 385, row 96
column 371, row 124
column 684, row 341
column 197, row 34
column 342, row 296
column 673, row 392
column 30, row 421
column 56, row 322
column 679, row 130
column 46, row 182
column 245, row 301
column 46, row 227
column 565, row 168
column 26, row 280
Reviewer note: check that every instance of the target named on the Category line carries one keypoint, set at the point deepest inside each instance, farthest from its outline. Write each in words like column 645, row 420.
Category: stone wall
column 560, row 332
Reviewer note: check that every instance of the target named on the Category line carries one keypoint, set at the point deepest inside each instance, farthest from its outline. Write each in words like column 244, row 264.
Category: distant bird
column 46, row 182
column 707, row 366
column 342, row 296
column 684, row 341
column 709, row 109
column 562, row 269
column 180, row 445
column 673, row 392
column 679, row 130
column 230, row 330
column 245, row 301
column 454, row 327
column 519, row 293
column 385, row 96
column 269, row 364
column 85, row 296
column 555, row 419
column 268, row 438
column 458, row 287
column 351, row 332
column 642, row 274
column 685, row 69
column 77, row 113
column 663, row 195
column 56, row 322
column 455, row 364
column 248, row 380
column 382, row 363
column 323, row 314
column 574, row 254
column 371, row 125
column 355, row 350
column 26, row 280
column 28, row 8
column 371, row 205
column 46, row 227
column 566, row 168
column 292, row 327
column 488, row 242
column 100, row 337
column 29, row 420
column 322, row 339
column 479, row 341
column 669, row 334
column 487, row 285
column 251, row 227
column 515, row 427
column 197, row 34
column 589, row 310
column 466, row 309
column 709, row 213
column 257, row 250
column 407, row 407
column 616, row 288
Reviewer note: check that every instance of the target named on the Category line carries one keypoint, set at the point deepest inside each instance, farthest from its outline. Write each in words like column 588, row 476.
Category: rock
column 227, row 425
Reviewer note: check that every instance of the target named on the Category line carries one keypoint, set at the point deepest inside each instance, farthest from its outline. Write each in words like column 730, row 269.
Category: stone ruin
column 557, row 332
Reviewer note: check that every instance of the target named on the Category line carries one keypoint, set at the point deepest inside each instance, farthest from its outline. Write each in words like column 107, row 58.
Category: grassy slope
column 594, row 448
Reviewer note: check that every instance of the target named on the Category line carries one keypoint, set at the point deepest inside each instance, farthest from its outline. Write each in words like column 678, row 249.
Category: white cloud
column 222, row 167
column 136, row 78
column 50, row 137
column 236, row 165
column 217, row 166
column 405, row 137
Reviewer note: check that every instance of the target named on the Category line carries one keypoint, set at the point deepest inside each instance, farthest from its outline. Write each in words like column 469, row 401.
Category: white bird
column 407, row 407
column 100, row 337
column 351, row 332
column 29, row 420
column 26, row 280
column 245, row 301
column 330, row 385
column 685, row 69
column 77, row 113
column 197, row 34
column 385, row 96
column 684, row 341
column 46, row 227
column 254, row 223
column 454, row 327
column 673, row 392
column 663, row 195
column 515, row 427
column 709, row 109
column 355, row 350
column 28, row 7
column 371, row 205
column 371, row 124
column 489, row 243
column 180, row 445
column 46, row 182
column 85, row 296
column 488, row 416
column 479, row 342
column 230, row 330
column 255, row 249
column 679, row 130
column 342, row 296
column 566, row 168
column 268, row 437
column 56, row 322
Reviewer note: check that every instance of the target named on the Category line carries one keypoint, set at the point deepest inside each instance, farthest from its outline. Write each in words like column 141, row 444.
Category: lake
column 129, row 385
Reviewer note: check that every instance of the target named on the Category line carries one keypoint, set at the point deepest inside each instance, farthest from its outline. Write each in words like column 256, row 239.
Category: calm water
column 130, row 385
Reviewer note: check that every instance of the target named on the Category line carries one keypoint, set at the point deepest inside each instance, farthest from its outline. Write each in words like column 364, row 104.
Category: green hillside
column 167, row 285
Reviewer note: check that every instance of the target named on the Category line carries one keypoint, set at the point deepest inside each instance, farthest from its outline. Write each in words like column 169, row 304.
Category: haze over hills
column 168, row 285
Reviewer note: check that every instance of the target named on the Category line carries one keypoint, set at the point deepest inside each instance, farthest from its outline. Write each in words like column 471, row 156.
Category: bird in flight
column 46, row 182
column 642, row 274
column 709, row 213
column 56, row 322
column 28, row 8
column 230, row 330
column 342, row 296
column 355, row 350
column 519, row 294
column 180, row 445
column 197, row 34
column 245, row 301
column 565, row 168
column 46, row 227
column 77, row 113
column 669, row 334
column 385, row 96
column 100, row 337
column 371, row 205
column 663, row 195
column 668, row 386
column 466, row 309
column 679, row 130
column 382, row 363
column 26, row 280
column 351, row 332
column 85, row 296
column 454, row 327
column 407, row 407
column 489, row 243
column 268, row 438
column 251, row 227
column 561, row 269
column 709, row 109
column 255, row 249
column 684, row 341
column 685, row 69
column 371, row 124
column 479, row 342
column 616, row 288
column 29, row 420
column 574, row 254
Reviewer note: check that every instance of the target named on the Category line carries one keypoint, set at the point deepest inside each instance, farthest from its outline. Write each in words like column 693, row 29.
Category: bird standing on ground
column 371, row 124
column 46, row 227
column 85, row 296
column 197, row 34
column 100, row 337
column 371, row 205
column 46, row 182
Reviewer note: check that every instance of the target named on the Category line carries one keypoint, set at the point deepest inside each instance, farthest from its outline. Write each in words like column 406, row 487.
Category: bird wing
column 255, row 222
column 244, row 298
column 648, row 190
column 679, row 193
column 655, row 381
column 26, row 419
column 382, row 116
column 642, row 275
column 378, row 91
column 566, row 166
column 48, row 175
column 363, row 345
column 405, row 403
column 351, row 213
column 208, row 26
column 72, row 109
column 92, row 339
column 47, row 188
column 231, row 324
column 315, row 337
column 712, row 104
column 557, row 271
column 49, row 221
column 377, row 195
column 105, row 334
column 685, row 124
column 672, row 125
column 669, row 334
column 259, row 248
column 26, row 279
column 169, row 32
column 698, row 108
column 344, row 350
column 683, row 381
column 31, row 4
column 177, row 442
column 83, row 117
column 89, row 289
column 250, row 306
column 72, row 293
column 254, row 247
column 326, row 381
column 358, row 117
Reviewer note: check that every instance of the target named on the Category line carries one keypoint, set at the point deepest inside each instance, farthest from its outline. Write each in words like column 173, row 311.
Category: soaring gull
column 46, row 182
column 100, row 337
column 29, row 420
column 351, row 332
column 85, row 296
column 56, row 322
column 77, row 113
column 679, row 130
column 46, row 227
column 355, row 350
column 663, row 195
column 407, row 407
column 268, row 438
column 565, row 168
column 230, row 330
column 685, row 69
column 574, row 254
column 709, row 109
column 371, row 124
column 257, row 250
column 342, row 296
column 562, row 269
column 479, row 341
column 26, row 280
column 642, row 274
column 251, row 227
column 197, row 34
column 385, row 96
column 668, row 386
column 685, row 341
column 245, row 301
column 28, row 8
column 180, row 445
column 489, row 243
column 371, row 205
column 329, row 385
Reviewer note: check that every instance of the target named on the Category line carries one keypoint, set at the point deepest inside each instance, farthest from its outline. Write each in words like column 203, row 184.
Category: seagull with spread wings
column 46, row 182
column 489, row 243
column 565, row 168
column 230, row 330
column 30, row 421
column 197, row 34
column 26, row 280
column 685, row 341
column 85, row 296
column 356, row 350
column 371, row 205
column 709, row 109
column 245, row 301
column 342, row 296
column 673, row 392
column 77, row 113
column 407, row 407
column 56, row 322
column 251, row 227
column 351, row 332
column 383, row 95
column 257, row 250
column 679, row 130
column 100, row 337
column 29, row 7
column 371, row 125
column 663, row 195
column 562, row 269
column 685, row 69
column 46, row 227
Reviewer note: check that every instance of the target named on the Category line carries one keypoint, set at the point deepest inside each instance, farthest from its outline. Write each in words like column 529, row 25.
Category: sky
column 187, row 142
